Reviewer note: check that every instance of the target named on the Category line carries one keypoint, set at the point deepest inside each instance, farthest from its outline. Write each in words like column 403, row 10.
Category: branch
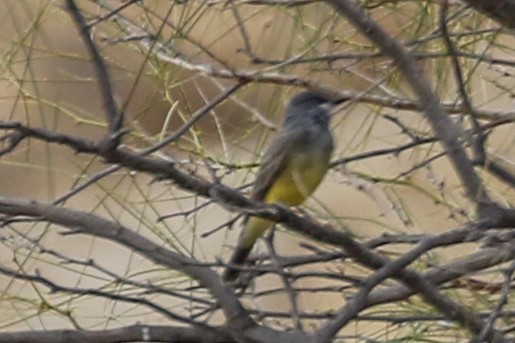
column 133, row 333
column 167, row 54
column 472, row 263
column 114, row 116
column 239, row 323
column 81, row 222
column 232, row 199
column 56, row 288
column 427, row 289
column 445, row 129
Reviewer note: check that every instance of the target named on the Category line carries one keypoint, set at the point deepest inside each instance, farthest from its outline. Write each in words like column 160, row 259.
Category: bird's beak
column 328, row 106
column 340, row 100
column 331, row 104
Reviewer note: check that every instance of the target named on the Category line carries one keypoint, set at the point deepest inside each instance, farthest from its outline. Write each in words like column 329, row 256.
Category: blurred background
column 47, row 80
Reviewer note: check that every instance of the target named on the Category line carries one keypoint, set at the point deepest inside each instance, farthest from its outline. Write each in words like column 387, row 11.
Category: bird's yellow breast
column 301, row 175
column 293, row 185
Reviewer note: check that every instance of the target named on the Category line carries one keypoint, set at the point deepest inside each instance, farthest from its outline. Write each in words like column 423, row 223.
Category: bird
column 292, row 167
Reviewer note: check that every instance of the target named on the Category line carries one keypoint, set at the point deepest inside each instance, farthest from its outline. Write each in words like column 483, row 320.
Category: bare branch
column 134, row 333
column 81, row 222
column 114, row 116
column 444, row 128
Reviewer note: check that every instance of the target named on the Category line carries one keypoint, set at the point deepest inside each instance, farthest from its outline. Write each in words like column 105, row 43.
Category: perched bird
column 293, row 165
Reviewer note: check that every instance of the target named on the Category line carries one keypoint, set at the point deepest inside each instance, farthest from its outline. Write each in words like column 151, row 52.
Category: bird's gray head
column 309, row 108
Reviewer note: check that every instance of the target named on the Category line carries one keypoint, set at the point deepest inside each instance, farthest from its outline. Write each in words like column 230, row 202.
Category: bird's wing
column 274, row 161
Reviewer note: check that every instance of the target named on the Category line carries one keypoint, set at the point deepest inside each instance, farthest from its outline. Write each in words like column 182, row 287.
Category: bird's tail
column 253, row 229
column 238, row 257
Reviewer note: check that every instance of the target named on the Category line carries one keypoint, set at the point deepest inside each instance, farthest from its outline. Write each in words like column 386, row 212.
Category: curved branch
column 114, row 115
column 448, row 132
column 82, row 222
